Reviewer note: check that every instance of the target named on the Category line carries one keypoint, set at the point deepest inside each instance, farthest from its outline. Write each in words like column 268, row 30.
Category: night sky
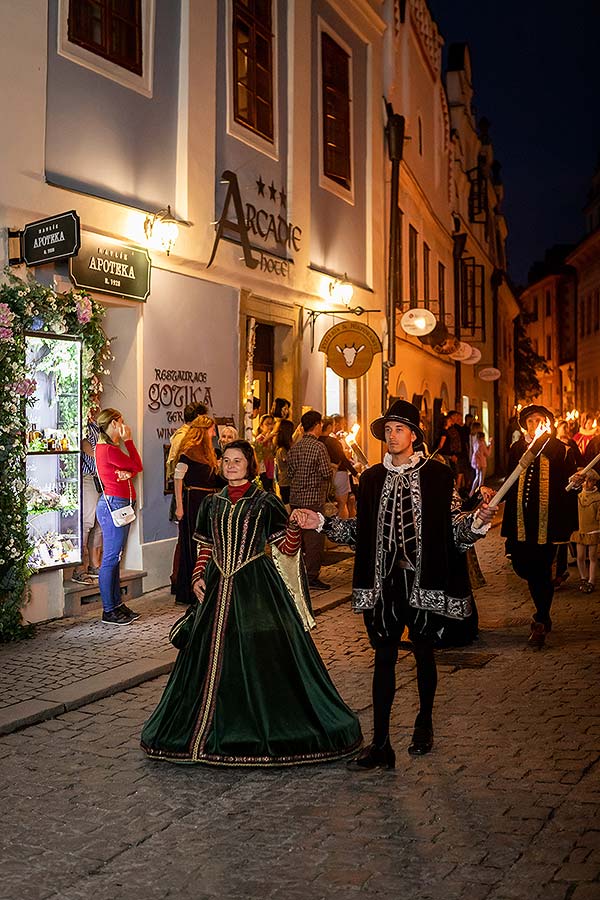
column 536, row 77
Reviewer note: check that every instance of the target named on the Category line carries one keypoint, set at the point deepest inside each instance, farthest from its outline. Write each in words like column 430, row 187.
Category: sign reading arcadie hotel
column 111, row 267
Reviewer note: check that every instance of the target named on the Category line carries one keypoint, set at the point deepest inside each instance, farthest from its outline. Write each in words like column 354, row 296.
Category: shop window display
column 53, row 491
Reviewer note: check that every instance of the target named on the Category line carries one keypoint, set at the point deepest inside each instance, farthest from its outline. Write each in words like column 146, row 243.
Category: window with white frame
column 110, row 28
column 335, row 114
column 114, row 38
column 253, row 66
column 252, row 114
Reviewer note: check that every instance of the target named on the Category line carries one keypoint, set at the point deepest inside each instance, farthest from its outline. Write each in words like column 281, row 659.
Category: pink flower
column 6, row 334
column 6, row 315
column 83, row 309
column 25, row 387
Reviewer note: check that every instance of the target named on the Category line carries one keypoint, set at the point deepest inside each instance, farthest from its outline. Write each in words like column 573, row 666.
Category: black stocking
column 384, row 688
column 426, row 680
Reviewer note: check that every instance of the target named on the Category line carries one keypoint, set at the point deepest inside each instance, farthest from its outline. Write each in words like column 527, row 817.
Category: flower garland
column 31, row 306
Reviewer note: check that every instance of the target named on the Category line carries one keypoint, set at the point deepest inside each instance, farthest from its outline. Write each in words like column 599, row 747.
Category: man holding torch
column 539, row 512
column 410, row 569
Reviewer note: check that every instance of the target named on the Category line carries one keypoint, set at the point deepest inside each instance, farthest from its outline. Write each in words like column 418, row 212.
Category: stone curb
column 72, row 696
column 113, row 681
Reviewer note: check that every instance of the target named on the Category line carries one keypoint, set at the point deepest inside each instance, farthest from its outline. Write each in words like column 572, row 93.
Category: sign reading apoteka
column 111, row 267
column 51, row 239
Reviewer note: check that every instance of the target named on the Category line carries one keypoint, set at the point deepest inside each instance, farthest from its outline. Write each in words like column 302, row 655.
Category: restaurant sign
column 111, row 267
column 51, row 239
column 350, row 348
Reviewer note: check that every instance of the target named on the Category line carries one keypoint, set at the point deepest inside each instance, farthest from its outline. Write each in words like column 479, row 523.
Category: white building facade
column 261, row 125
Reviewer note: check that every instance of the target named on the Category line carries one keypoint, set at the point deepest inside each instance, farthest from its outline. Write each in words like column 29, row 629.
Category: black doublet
column 426, row 495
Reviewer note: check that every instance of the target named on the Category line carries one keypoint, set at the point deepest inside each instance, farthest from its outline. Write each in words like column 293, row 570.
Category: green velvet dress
column 249, row 688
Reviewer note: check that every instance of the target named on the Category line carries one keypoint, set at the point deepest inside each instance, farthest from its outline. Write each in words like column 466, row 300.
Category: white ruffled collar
column 410, row 464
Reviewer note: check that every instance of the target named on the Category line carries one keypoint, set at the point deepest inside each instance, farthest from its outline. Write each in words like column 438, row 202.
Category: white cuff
column 483, row 529
column 321, row 522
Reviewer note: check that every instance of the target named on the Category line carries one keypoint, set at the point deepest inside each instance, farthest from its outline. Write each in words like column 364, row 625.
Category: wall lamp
column 341, row 291
column 162, row 229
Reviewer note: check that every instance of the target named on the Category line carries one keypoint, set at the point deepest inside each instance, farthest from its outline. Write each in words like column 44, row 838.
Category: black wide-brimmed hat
column 398, row 411
column 532, row 410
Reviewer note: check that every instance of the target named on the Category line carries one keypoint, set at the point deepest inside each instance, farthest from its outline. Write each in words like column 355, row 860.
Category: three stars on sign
column 272, row 191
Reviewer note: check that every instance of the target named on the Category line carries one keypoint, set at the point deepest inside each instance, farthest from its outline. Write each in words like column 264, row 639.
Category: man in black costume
column 410, row 569
column 539, row 514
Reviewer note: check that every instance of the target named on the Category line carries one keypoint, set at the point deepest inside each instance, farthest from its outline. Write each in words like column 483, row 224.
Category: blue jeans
column 114, row 539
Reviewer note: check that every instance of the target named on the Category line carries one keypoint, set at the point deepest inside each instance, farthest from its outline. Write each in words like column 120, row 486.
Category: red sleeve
column 204, row 554
column 290, row 542
column 129, row 461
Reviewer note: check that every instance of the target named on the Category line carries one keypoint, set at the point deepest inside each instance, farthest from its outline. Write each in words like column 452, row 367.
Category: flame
column 351, row 436
column 543, row 428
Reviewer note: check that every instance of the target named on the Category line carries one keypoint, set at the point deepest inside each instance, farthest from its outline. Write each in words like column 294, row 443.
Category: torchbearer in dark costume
column 539, row 513
column 410, row 569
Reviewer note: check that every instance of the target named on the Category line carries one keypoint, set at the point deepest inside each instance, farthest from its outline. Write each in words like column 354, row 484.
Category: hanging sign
column 111, row 267
column 350, row 348
column 51, row 239
column 489, row 373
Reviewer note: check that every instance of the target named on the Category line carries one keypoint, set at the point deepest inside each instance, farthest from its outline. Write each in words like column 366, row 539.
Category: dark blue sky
column 536, row 77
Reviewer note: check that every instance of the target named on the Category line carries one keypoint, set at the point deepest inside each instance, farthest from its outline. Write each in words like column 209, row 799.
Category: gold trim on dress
column 544, row 498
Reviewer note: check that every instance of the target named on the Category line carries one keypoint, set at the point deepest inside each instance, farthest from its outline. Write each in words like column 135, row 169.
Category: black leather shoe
column 319, row 585
column 538, row 634
column 422, row 741
column 373, row 757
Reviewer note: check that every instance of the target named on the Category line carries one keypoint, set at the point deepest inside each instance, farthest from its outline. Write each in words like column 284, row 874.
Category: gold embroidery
column 230, row 521
column 520, row 519
column 260, row 761
column 544, row 497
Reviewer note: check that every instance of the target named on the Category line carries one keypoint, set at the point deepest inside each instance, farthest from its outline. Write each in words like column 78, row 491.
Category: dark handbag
column 97, row 483
column 181, row 630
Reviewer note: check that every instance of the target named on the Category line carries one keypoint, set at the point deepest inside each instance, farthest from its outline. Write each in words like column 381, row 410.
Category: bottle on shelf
column 64, row 442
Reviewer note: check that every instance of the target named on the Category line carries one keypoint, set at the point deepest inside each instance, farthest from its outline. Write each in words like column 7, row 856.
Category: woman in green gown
column 249, row 687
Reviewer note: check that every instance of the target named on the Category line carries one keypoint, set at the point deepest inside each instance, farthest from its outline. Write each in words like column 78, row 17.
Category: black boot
column 422, row 740
column 373, row 757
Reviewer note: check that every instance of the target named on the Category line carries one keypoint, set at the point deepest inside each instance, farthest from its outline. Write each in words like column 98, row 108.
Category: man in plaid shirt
column 309, row 471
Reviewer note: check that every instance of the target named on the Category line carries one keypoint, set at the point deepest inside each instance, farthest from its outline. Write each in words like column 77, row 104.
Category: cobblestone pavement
column 71, row 660
column 507, row 806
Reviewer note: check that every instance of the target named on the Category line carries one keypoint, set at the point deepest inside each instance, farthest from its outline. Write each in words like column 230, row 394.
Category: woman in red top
column 116, row 469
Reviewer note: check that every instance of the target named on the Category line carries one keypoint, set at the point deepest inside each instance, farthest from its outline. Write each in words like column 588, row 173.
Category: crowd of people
column 248, row 687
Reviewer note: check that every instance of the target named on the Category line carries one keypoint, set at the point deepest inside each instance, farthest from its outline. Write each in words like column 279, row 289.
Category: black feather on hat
column 399, row 411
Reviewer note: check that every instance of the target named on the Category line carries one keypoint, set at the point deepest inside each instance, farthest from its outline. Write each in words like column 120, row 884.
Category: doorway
column 264, row 343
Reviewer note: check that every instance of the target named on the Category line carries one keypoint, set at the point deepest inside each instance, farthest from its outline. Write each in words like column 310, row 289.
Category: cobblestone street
column 507, row 805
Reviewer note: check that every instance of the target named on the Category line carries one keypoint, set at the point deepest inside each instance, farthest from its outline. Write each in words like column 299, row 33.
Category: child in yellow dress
column 588, row 536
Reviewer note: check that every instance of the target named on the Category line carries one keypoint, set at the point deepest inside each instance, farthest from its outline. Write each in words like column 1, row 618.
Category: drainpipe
column 496, row 280
column 459, row 240
column 394, row 132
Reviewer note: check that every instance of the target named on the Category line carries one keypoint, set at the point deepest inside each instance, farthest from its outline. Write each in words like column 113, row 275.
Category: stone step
column 80, row 598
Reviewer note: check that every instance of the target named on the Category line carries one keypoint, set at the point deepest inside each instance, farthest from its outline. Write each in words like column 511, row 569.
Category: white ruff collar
column 412, row 462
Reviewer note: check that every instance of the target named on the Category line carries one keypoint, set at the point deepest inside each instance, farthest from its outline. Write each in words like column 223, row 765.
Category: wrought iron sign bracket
column 313, row 315
column 15, row 239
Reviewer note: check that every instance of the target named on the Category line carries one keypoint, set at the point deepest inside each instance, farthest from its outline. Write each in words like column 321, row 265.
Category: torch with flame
column 353, row 445
column 541, row 437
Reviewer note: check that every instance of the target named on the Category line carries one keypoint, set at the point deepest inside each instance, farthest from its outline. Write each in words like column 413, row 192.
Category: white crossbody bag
column 125, row 514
